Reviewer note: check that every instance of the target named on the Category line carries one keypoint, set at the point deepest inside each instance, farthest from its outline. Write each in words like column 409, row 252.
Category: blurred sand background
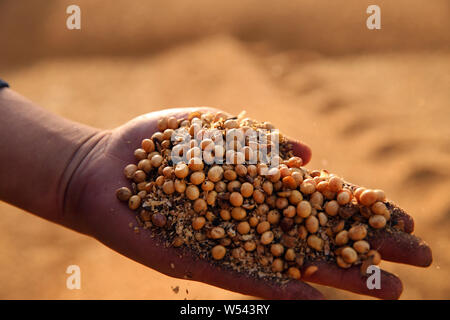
column 373, row 105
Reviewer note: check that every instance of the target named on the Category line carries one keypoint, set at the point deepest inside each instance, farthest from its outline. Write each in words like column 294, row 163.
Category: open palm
column 93, row 209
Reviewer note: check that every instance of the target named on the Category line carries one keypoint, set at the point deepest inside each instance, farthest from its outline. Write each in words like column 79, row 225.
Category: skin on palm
column 90, row 207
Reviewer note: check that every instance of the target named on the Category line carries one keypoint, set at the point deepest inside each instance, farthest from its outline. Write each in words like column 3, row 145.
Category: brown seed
column 377, row 221
column 180, row 186
column 302, row 233
column 181, row 170
column 312, row 224
column 289, row 212
column 267, row 237
column 294, row 273
column 295, row 197
column 323, row 219
column 238, row 213
column 375, row 256
column 368, row 198
column 361, row 246
column 341, row 263
column 332, row 208
column 358, row 192
column 307, row 187
column 267, row 187
column 246, row 190
column 140, row 154
column 160, row 181
column 349, row 255
column 338, row 226
column 322, row 186
column 329, row 194
column 192, row 192
column 335, row 184
column 198, row 223
column 195, row 164
column 148, row 145
column 277, row 265
column 316, row 200
column 123, row 194
column 381, row 196
column 273, row 217
column 233, row 186
column 341, row 238
column 211, row 198
column 217, row 233
column 159, row 220
column 304, row 209
column 139, row 176
column 129, row 171
column 210, row 216
column 134, row 202
column 162, row 124
column 315, row 242
column 379, row 208
column 156, row 161
column 277, row 249
column 253, row 221
column 158, row 136
column 236, row 199
column 243, row 227
column 207, row 186
column 258, row 196
column 218, row 252
column 220, row 186
column 295, row 162
column 263, row 227
column 230, row 175
column 197, row 177
column 225, row 214
column 298, row 177
column 172, row 123
column 344, row 196
column 145, row 165
column 200, row 205
column 215, row 174
column 167, row 135
column 168, row 187
column 231, row 123
column 289, row 182
column 281, row 203
column 357, row 233
column 241, row 170
column 252, row 171
column 274, row 174
column 168, row 172
column 249, row 246
column 290, row 254
column 311, row 270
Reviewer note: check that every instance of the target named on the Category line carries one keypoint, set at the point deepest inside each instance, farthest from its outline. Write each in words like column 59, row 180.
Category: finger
column 259, row 287
column 330, row 274
column 301, row 150
column 401, row 247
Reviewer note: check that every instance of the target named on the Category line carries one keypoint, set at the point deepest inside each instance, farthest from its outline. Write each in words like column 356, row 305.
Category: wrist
column 73, row 179
column 38, row 148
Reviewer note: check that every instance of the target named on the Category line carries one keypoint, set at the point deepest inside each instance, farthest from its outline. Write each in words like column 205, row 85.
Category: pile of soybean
column 227, row 202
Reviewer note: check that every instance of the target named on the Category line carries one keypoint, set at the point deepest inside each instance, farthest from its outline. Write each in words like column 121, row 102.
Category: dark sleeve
column 3, row 84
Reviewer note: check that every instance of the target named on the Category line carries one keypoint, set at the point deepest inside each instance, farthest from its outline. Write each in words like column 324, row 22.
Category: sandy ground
column 379, row 119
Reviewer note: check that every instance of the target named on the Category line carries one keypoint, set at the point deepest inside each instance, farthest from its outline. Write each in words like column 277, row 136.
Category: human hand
column 90, row 206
